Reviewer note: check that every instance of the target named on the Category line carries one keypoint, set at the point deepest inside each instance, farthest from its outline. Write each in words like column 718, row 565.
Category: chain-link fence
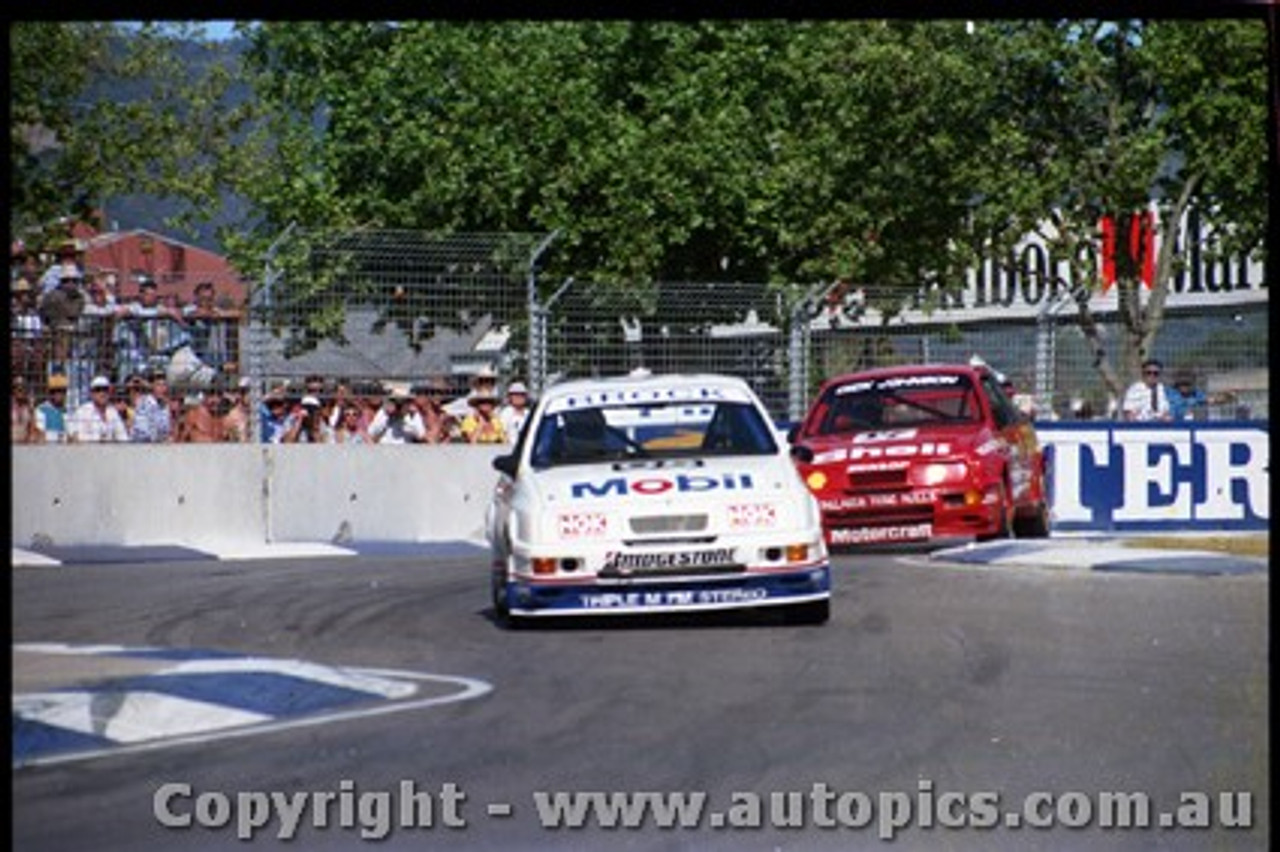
column 194, row 348
column 744, row 329
column 1052, row 363
column 786, row 340
column 392, row 306
column 351, row 312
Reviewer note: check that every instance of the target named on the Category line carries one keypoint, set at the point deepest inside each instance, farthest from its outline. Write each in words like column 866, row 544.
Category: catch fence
column 364, row 309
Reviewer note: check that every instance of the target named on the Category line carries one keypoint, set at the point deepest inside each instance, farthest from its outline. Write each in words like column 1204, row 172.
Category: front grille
column 658, row 524
column 706, row 570
column 881, row 516
column 875, row 480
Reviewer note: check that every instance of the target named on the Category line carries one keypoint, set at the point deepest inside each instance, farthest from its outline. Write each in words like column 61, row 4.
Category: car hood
column 912, row 444
column 668, row 482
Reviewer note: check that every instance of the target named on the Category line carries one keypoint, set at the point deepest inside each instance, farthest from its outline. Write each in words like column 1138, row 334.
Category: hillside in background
column 131, row 212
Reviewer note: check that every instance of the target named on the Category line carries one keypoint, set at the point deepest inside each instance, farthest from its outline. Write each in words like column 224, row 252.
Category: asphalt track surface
column 935, row 675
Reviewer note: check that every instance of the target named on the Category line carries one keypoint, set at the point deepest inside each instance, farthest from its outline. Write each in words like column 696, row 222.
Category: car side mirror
column 793, row 433
column 506, row 464
column 801, row 453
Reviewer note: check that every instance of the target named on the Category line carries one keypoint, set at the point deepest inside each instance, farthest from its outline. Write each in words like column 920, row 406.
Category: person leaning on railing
column 60, row 310
column 1188, row 402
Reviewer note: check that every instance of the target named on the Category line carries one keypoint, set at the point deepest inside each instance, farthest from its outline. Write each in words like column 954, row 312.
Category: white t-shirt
column 1138, row 402
column 91, row 426
column 408, row 429
column 512, row 419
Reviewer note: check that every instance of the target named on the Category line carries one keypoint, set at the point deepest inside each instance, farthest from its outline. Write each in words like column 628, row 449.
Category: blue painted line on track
column 181, row 654
column 32, row 738
column 194, row 692
column 268, row 693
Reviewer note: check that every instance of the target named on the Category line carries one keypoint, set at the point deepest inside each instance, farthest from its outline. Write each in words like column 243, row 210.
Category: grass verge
column 1236, row 545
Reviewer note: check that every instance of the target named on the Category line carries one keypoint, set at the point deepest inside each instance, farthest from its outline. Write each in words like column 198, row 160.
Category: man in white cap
column 515, row 411
column 98, row 421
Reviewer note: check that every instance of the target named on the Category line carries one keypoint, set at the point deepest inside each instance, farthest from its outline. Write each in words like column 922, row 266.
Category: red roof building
column 175, row 266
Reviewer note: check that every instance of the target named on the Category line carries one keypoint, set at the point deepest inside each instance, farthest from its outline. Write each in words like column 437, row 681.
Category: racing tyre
column 1035, row 525
column 813, row 612
column 498, row 595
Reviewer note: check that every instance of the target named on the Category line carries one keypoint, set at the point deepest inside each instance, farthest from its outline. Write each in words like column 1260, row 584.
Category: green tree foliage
column 1097, row 118
column 99, row 110
column 752, row 151
column 889, row 154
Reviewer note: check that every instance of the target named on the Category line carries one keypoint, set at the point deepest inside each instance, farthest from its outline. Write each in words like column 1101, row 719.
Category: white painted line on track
column 75, row 650
column 140, row 719
column 341, row 676
column 137, row 717
column 469, row 688
column 29, row 558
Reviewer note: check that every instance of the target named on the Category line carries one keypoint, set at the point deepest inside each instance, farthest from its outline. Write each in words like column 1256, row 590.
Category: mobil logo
column 621, row 486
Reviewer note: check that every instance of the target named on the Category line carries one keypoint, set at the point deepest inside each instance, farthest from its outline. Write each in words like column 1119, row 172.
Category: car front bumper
column 909, row 516
column 528, row 596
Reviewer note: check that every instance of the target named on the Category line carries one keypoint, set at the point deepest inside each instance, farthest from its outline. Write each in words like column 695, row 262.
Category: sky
column 219, row 30
column 214, row 30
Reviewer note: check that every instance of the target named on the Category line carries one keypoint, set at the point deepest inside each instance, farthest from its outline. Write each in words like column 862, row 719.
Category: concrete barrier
column 224, row 494
column 1103, row 476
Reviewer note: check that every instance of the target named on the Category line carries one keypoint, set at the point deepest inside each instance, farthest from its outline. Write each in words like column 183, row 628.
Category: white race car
column 653, row 493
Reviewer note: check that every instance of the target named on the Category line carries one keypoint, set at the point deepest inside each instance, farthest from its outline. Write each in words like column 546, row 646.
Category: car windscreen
column 890, row 403
column 651, row 431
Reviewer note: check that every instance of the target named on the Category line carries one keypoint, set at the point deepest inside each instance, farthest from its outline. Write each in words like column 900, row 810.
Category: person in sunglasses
column 1148, row 399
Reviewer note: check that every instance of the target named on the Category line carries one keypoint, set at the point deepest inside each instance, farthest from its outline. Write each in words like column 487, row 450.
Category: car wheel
column 1005, row 526
column 1035, row 525
column 812, row 612
column 498, row 594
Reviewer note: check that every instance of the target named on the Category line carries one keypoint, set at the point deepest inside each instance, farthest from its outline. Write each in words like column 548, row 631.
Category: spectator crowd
column 70, row 326
column 90, row 366
column 317, row 412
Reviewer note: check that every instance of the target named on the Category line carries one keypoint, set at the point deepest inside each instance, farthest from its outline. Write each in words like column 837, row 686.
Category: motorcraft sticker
column 874, row 535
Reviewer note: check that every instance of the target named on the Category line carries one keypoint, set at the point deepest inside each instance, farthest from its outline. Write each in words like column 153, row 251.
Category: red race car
column 919, row 452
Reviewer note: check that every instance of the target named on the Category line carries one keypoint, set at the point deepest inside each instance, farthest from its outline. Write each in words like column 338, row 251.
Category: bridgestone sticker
column 626, row 562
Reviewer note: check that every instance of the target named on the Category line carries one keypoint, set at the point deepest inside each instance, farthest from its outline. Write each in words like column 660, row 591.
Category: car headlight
column 936, row 473
column 817, row 480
